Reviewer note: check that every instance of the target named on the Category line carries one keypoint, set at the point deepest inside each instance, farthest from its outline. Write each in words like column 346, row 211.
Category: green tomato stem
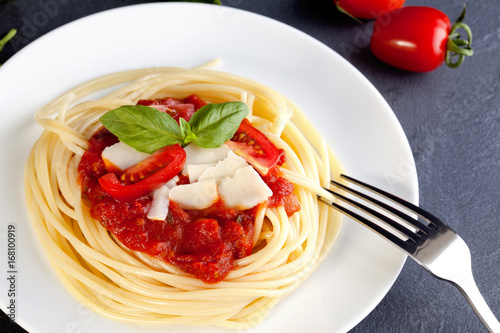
column 7, row 37
column 457, row 48
column 343, row 11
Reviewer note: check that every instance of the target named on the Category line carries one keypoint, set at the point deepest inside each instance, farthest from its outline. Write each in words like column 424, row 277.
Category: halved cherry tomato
column 419, row 39
column 153, row 163
column 176, row 108
column 145, row 176
column 367, row 9
column 254, row 147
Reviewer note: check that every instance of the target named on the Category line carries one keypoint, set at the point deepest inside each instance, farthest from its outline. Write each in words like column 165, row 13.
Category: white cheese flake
column 197, row 155
column 224, row 169
column 199, row 195
column 159, row 205
column 194, row 171
column 245, row 190
column 121, row 156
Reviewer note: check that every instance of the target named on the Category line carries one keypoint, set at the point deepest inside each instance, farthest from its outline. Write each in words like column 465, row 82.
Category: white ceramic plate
column 343, row 105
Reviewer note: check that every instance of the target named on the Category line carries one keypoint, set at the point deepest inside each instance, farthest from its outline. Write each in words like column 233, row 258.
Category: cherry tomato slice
column 156, row 161
column 148, row 174
column 255, row 147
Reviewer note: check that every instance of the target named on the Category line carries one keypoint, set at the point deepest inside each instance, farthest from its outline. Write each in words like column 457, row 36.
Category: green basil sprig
column 147, row 129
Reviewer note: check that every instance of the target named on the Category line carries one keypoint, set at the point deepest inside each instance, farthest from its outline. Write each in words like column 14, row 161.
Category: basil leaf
column 214, row 124
column 187, row 135
column 147, row 129
column 142, row 127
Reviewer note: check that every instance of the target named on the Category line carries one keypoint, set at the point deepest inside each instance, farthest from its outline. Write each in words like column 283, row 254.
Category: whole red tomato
column 368, row 8
column 419, row 39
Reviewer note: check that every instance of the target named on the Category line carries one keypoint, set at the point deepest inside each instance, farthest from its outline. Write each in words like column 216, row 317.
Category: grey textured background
column 450, row 116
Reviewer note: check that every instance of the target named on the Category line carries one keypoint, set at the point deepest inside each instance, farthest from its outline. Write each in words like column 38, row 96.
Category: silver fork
column 426, row 239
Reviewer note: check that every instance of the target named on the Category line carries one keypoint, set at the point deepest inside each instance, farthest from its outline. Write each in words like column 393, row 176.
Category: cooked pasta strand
column 125, row 285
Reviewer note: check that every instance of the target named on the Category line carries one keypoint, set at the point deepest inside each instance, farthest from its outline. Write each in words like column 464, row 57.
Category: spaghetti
column 131, row 286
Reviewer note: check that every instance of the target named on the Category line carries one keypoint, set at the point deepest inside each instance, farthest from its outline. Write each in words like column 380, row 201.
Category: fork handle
column 469, row 289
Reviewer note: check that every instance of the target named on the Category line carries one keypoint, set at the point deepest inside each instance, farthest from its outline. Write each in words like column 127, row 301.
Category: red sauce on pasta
column 203, row 243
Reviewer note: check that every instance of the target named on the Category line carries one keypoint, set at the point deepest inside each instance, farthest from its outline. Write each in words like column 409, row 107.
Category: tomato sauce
column 282, row 189
column 203, row 243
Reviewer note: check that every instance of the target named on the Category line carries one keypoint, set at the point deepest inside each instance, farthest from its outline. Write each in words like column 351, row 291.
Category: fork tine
column 414, row 237
column 414, row 222
column 432, row 220
column 405, row 245
column 377, row 215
